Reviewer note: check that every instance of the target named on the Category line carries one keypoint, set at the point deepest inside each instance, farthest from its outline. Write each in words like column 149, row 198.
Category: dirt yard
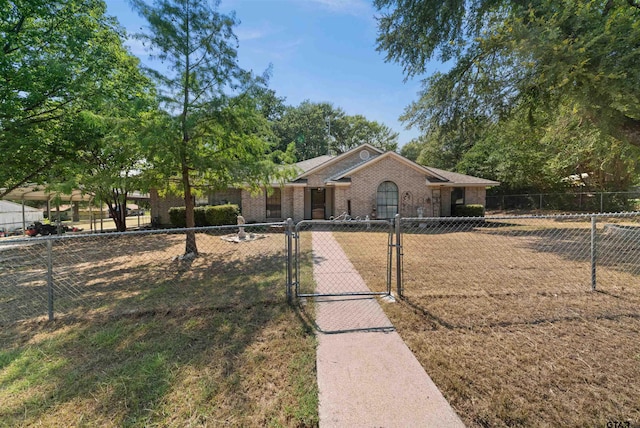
column 503, row 319
column 112, row 274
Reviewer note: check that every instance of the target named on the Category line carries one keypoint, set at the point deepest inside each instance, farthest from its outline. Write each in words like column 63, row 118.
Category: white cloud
column 347, row 7
column 254, row 33
column 279, row 51
column 136, row 46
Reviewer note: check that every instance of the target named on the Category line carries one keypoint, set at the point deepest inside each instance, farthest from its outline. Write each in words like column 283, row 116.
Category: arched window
column 387, row 200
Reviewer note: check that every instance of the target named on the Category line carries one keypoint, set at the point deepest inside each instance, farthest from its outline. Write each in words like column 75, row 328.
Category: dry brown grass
column 504, row 322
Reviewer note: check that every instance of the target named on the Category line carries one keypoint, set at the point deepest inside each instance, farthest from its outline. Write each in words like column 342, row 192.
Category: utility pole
column 328, row 120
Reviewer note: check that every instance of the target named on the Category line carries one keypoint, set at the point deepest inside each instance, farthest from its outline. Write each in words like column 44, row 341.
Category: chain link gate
column 322, row 258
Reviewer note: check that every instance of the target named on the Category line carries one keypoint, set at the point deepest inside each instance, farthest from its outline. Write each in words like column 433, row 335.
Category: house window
column 457, row 198
column 274, row 204
column 387, row 200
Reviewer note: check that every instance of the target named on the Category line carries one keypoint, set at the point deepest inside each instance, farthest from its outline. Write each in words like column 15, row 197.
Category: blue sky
column 321, row 50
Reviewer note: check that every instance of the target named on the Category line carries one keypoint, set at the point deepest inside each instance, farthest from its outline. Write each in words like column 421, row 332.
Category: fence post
column 50, row 278
column 289, row 233
column 593, row 253
column 398, row 256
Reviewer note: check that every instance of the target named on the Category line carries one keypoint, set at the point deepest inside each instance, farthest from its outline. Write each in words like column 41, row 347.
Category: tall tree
column 112, row 163
column 524, row 63
column 307, row 126
column 510, row 55
column 209, row 137
column 321, row 128
column 56, row 57
column 352, row 131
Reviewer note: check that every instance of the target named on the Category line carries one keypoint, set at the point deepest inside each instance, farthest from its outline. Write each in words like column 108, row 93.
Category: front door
column 318, row 204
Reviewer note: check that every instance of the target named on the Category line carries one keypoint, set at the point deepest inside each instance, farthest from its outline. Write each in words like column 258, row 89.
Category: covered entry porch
column 319, row 203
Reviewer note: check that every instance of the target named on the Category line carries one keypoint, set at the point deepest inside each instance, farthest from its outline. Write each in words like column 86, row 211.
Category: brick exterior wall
column 349, row 160
column 413, row 193
column 287, row 202
column 228, row 196
column 160, row 206
column 254, row 207
column 412, row 188
column 298, row 203
column 475, row 195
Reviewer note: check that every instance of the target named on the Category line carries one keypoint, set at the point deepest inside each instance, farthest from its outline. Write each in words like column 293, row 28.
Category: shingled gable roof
column 309, row 164
column 432, row 176
column 458, row 178
column 324, row 161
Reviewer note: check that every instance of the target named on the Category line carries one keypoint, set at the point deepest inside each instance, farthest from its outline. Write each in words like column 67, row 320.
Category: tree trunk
column 630, row 130
column 190, row 246
column 118, row 210
column 189, row 204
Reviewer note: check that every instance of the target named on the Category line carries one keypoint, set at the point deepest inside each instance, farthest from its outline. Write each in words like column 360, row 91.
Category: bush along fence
column 122, row 273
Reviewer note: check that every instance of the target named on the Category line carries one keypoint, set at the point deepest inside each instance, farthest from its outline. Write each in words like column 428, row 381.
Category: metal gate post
column 50, row 278
column 390, row 246
column 289, row 233
column 398, row 256
column 594, row 255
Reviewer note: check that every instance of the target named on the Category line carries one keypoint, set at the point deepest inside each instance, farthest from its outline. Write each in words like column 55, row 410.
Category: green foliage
column 111, row 163
column 216, row 131
column 352, row 131
column 57, row 59
column 307, row 127
column 411, row 150
column 178, row 216
column 537, row 90
column 470, row 210
column 317, row 128
column 217, row 215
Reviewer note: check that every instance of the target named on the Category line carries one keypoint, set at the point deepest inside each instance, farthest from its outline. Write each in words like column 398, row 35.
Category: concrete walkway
column 367, row 376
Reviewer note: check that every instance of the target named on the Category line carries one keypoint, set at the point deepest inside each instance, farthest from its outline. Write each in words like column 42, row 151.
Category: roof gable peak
column 341, row 156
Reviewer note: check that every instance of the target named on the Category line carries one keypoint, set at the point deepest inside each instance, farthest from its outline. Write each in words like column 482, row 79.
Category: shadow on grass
column 613, row 249
column 460, row 312
column 184, row 355
column 617, row 246
column 89, row 276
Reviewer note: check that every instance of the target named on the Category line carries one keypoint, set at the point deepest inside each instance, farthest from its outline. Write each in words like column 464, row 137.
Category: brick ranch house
column 364, row 181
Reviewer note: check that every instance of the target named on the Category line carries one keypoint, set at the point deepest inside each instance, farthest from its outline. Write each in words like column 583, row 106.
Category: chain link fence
column 500, row 270
column 463, row 271
column 333, row 271
column 575, row 201
column 126, row 273
column 327, row 253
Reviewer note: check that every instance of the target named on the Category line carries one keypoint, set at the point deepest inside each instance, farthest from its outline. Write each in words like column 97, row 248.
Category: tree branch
column 24, row 180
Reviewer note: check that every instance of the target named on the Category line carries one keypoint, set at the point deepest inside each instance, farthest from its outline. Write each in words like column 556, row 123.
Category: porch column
column 340, row 205
column 298, row 203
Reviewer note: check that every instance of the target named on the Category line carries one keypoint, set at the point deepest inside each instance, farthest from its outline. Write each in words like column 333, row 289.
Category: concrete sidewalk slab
column 367, row 376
